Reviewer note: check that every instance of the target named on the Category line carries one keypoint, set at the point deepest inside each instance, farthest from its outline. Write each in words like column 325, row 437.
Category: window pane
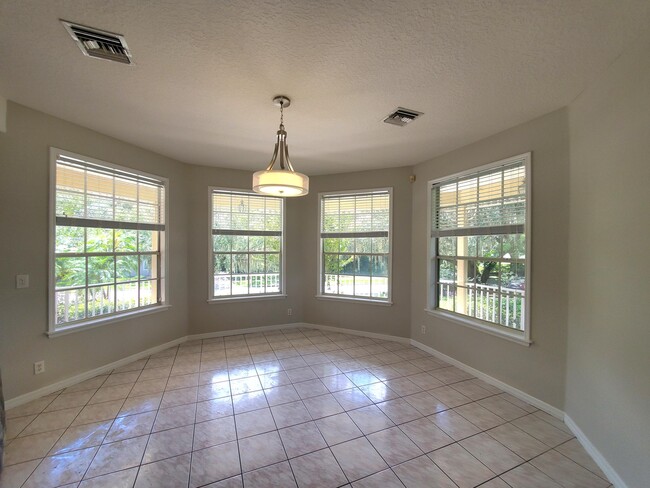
column 101, row 269
column 446, row 271
column 69, row 239
column 331, row 284
column 273, row 223
column 346, row 264
column 346, row 244
column 447, row 246
column 446, row 294
column 273, row 264
column 221, row 243
column 487, row 273
column 126, row 240
column 380, row 266
column 362, row 265
column 363, row 245
column 70, row 204
column 331, row 263
column 70, row 272
column 222, row 264
column 127, row 296
column 126, row 211
column 465, row 298
column 127, row 268
column 101, row 300
column 256, row 243
column 256, row 221
column 487, row 303
column 512, row 310
column 331, row 245
column 99, row 207
column 379, row 287
column 380, row 245
column 273, row 243
column 70, row 305
column 362, row 286
column 240, row 243
column 240, row 263
column 256, row 263
column 222, row 285
column 148, row 213
column 148, row 266
column 221, row 220
column 99, row 240
column 148, row 292
column 514, row 246
column 148, row 240
column 490, row 246
column 346, row 285
column 513, row 276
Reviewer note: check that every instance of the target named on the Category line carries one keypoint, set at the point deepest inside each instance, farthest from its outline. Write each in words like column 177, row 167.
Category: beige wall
column 539, row 369
column 24, row 194
column 393, row 320
column 229, row 315
column 608, row 381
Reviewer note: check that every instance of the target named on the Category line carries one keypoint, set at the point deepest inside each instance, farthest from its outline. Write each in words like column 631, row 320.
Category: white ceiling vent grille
column 402, row 116
column 98, row 43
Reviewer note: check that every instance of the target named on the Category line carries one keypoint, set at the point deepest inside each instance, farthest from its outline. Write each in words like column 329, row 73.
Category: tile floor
column 293, row 407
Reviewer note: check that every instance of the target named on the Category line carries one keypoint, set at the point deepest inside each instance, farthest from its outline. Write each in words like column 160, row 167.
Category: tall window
column 108, row 234
column 246, row 244
column 355, row 240
column 479, row 257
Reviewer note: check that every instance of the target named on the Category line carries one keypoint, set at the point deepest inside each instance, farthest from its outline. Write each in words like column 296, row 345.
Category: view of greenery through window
column 108, row 231
column 479, row 245
column 246, row 244
column 355, row 244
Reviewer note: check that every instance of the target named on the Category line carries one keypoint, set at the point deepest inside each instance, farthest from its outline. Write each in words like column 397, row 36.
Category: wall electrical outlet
column 289, row 312
column 423, row 329
column 22, row 281
column 39, row 367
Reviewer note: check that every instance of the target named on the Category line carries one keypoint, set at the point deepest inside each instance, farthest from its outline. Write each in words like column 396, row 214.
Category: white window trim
column 319, row 275
column 241, row 298
column 91, row 323
column 523, row 337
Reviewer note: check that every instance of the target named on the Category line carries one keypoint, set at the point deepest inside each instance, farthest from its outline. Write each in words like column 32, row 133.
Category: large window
column 355, row 241
column 479, row 245
column 246, row 244
column 108, row 241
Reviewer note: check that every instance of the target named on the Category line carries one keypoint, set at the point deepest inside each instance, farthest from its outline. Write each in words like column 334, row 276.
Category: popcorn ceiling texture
column 205, row 72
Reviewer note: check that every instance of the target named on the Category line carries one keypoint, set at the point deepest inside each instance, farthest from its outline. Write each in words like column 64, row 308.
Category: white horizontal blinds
column 246, row 244
column 109, row 226
column 355, row 242
column 483, row 203
column 91, row 195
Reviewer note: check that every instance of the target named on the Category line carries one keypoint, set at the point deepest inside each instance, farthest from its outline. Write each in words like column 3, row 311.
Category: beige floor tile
column 261, row 450
column 148, row 387
column 449, row 396
column 214, row 409
column 454, row 424
column 120, row 479
column 210, row 391
column 117, row 456
column 399, row 411
column 352, row 398
column 495, row 483
column 463, row 468
column 370, row 419
column 169, row 443
column 48, row 421
column 555, row 422
column 214, row 464
column 383, row 479
column 338, row 428
column 140, row 404
column 182, row 396
column 518, row 441
column 168, row 473
column 122, row 378
column 567, row 473
column 317, row 470
column 322, row 406
column 89, row 384
column 425, row 381
column 245, row 385
column 81, row 437
column 15, row 475
column 310, row 388
column 276, row 476
column 130, row 426
column 30, row 447
column 337, row 382
column 16, row 425
column 169, row 418
column 253, row 423
column 425, row 403
column 99, row 412
column 574, row 451
column 302, row 439
column 61, row 469
column 403, row 386
column 519, row 403
column 528, row 476
column 479, row 416
column 248, row 402
column 289, row 414
column 542, row 430
column 154, row 373
column 394, row 446
column 490, row 452
column 183, row 381
column 281, row 394
column 379, row 392
column 132, row 366
column 70, row 400
column 422, row 473
column 502, row 407
column 110, row 393
column 214, row 432
column 358, row 458
column 426, row 435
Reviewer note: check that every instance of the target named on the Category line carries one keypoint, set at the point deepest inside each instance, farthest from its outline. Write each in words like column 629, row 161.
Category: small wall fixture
column 283, row 180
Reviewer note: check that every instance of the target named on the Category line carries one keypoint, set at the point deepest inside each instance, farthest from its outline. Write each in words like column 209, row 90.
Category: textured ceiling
column 205, row 72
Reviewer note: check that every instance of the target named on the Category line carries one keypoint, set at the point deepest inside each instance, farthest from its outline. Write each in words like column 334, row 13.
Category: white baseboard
column 46, row 390
column 372, row 335
column 542, row 405
column 595, row 454
column 249, row 330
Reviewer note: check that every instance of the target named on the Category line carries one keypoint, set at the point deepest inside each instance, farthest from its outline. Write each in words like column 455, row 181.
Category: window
column 108, row 241
column 246, row 244
column 479, row 245
column 355, row 241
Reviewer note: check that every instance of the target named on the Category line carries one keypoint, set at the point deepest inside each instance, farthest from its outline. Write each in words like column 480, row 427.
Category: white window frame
column 258, row 296
column 388, row 301
column 113, row 317
column 520, row 337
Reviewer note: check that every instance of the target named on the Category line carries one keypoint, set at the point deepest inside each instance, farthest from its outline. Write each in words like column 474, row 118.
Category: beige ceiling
column 205, row 72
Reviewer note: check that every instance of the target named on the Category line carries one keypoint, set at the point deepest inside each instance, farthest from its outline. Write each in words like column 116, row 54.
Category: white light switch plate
column 22, row 281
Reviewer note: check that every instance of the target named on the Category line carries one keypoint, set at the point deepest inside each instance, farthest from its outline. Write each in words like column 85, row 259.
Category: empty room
column 301, row 244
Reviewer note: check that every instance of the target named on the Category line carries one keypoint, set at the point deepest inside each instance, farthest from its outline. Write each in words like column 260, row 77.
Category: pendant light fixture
column 279, row 178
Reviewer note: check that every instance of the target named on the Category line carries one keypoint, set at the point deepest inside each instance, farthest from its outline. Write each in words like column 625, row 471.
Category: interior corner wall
column 24, row 217
column 236, row 314
column 608, row 371
column 538, row 370
column 367, row 317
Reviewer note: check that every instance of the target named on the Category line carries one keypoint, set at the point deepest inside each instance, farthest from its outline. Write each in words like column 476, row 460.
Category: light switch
column 22, row 281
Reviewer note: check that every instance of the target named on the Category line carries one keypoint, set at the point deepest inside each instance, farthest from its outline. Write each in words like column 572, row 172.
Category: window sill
column 518, row 338
column 355, row 300
column 247, row 298
column 99, row 322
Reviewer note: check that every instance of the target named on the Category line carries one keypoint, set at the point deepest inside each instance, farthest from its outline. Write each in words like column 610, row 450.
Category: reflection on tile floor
column 291, row 407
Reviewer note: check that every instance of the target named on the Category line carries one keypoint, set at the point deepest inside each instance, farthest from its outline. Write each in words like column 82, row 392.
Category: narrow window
column 107, row 245
column 355, row 242
column 246, row 244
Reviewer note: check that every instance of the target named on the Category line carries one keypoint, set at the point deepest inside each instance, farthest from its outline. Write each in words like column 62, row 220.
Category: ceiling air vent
column 98, row 43
column 402, row 116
